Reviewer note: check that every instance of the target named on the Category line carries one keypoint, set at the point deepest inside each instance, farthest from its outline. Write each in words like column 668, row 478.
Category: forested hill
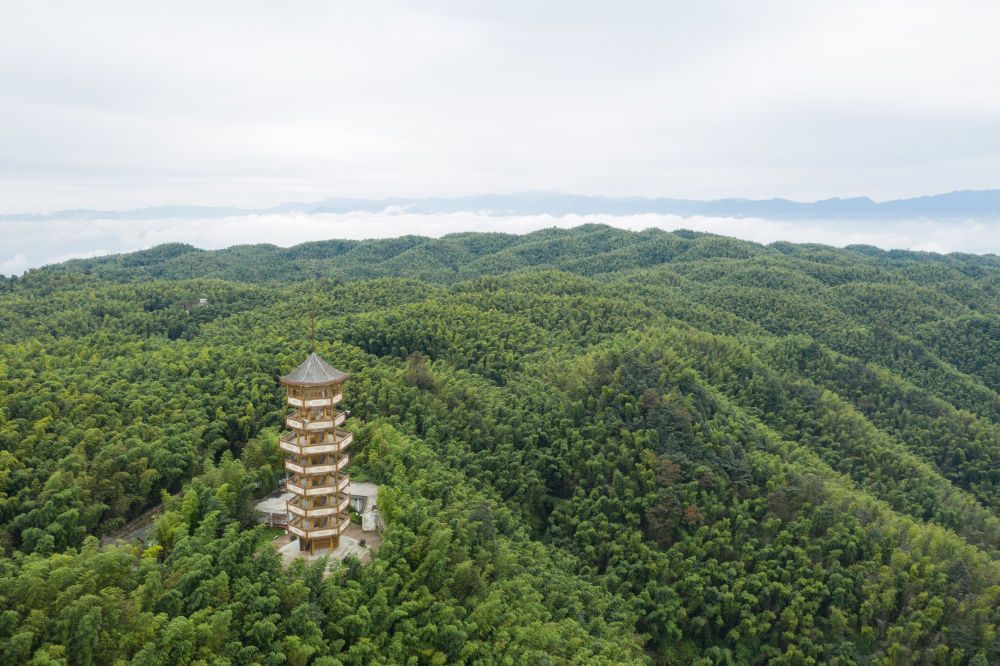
column 588, row 250
column 595, row 446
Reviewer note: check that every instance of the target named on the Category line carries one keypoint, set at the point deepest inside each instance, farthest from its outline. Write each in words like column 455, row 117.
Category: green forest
column 594, row 446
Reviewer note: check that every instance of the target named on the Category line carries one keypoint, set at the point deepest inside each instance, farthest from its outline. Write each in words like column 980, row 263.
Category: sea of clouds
column 35, row 243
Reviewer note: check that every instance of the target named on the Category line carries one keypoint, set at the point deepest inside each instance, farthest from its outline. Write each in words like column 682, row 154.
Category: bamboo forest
column 592, row 446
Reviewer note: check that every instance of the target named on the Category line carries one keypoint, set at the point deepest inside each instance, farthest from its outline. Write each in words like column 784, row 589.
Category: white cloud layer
column 75, row 238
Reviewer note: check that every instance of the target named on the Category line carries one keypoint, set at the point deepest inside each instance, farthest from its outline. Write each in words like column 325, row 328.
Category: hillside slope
column 612, row 447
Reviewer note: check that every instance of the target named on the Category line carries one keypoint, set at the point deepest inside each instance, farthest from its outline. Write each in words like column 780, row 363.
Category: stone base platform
column 348, row 546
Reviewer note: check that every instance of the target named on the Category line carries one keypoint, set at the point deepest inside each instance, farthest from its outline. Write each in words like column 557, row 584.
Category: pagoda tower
column 317, row 514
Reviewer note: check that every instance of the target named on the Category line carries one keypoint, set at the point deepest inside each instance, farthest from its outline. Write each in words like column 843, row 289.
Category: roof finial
column 312, row 300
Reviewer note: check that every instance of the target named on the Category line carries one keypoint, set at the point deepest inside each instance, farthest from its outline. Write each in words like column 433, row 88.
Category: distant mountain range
column 967, row 204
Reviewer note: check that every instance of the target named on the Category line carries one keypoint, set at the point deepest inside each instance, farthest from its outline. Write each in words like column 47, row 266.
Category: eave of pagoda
column 319, row 532
column 297, row 423
column 317, row 470
column 319, row 511
column 327, row 401
column 334, row 442
column 318, row 491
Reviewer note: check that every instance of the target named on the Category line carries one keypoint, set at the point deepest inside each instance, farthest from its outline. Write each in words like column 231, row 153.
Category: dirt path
column 138, row 528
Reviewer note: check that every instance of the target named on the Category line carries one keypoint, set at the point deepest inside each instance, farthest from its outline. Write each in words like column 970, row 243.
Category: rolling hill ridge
column 595, row 446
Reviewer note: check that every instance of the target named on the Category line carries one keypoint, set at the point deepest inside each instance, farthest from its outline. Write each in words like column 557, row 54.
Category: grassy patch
column 359, row 474
column 269, row 534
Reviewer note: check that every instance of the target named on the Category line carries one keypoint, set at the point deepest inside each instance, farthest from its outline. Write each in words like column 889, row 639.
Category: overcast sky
column 130, row 104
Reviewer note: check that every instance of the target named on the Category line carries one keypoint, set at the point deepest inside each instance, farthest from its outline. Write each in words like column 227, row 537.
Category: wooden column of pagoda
column 316, row 448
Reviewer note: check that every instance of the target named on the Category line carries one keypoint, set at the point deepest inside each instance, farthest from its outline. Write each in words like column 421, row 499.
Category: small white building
column 364, row 498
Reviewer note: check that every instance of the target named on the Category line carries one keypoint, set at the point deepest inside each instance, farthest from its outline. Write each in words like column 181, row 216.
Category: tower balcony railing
column 313, row 491
column 328, row 401
column 314, row 470
column 319, row 511
column 296, row 423
column 319, row 532
column 334, row 441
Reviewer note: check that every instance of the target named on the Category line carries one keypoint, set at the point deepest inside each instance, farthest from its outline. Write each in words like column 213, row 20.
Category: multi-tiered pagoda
column 317, row 514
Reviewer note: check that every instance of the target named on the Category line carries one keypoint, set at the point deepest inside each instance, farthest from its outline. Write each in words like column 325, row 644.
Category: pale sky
column 129, row 104
column 118, row 105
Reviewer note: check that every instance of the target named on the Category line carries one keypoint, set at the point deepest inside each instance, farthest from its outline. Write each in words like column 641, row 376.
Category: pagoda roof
column 314, row 371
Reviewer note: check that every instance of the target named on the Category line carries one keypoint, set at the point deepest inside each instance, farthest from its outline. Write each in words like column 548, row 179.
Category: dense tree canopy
column 595, row 446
